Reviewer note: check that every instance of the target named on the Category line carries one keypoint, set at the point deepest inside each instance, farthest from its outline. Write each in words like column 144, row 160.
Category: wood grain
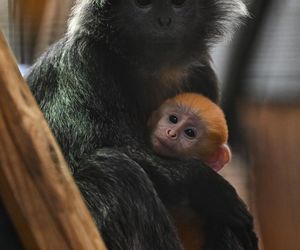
column 36, row 186
column 273, row 133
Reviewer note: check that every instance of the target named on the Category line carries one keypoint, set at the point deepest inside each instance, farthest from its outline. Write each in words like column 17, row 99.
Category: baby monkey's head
column 191, row 126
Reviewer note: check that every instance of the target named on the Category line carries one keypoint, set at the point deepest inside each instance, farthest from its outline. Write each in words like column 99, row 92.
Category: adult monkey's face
column 164, row 28
column 158, row 21
column 173, row 28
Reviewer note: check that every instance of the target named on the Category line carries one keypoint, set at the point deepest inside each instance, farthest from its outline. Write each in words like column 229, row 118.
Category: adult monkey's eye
column 143, row 3
column 190, row 133
column 173, row 119
column 178, row 3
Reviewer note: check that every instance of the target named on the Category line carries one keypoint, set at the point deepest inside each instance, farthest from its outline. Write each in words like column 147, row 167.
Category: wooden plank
column 35, row 183
column 273, row 134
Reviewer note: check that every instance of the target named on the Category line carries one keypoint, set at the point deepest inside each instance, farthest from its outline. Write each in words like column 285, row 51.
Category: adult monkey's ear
column 220, row 158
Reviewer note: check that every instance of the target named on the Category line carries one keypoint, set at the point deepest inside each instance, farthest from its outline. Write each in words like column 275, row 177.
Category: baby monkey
column 191, row 126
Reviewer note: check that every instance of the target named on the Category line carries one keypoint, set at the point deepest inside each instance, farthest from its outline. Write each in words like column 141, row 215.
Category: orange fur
column 211, row 115
column 188, row 224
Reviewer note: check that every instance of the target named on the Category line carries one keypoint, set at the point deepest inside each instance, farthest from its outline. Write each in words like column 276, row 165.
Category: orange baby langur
column 191, row 126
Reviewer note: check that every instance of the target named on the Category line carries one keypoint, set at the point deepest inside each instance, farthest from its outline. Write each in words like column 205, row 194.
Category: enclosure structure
column 36, row 186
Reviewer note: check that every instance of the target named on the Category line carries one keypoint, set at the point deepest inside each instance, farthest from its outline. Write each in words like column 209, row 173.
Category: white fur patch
column 235, row 11
column 76, row 16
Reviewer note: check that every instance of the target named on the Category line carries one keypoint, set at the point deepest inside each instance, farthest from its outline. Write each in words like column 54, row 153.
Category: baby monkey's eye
column 190, row 133
column 173, row 119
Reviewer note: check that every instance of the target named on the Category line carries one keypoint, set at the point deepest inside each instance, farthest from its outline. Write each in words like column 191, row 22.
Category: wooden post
column 36, row 186
column 272, row 130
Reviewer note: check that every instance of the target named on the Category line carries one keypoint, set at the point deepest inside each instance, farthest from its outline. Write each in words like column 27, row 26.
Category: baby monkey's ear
column 219, row 158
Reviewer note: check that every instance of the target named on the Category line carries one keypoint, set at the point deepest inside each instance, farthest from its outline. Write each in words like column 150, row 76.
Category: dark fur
column 97, row 87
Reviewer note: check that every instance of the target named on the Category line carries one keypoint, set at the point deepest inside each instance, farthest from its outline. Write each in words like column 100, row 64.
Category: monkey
column 95, row 88
column 189, row 125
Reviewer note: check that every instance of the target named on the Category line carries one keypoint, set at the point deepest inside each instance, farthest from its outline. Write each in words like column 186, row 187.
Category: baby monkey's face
column 177, row 133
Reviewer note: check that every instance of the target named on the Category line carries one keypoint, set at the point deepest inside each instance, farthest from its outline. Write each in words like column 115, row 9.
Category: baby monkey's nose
column 171, row 133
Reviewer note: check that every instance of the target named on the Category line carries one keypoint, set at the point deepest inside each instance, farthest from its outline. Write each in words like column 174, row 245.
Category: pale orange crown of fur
column 208, row 112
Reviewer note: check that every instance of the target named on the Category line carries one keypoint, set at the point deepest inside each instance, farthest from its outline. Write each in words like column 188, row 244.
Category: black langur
column 97, row 87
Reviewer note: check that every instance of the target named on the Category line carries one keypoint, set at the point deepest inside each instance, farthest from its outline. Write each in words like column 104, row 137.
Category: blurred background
column 259, row 71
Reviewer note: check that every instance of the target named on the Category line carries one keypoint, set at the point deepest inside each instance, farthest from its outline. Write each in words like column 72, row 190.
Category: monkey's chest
column 156, row 87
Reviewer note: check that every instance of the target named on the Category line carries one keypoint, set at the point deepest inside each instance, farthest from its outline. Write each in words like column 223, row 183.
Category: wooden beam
column 272, row 131
column 36, row 186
